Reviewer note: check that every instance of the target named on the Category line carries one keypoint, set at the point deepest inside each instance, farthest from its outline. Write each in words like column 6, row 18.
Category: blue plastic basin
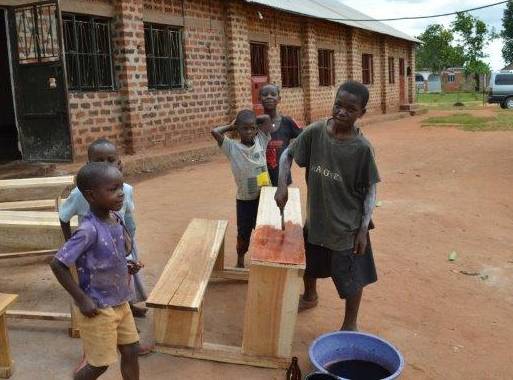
column 348, row 345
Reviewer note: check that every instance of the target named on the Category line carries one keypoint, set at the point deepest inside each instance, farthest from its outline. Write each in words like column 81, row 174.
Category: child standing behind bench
column 341, row 180
column 284, row 129
column 249, row 169
column 102, row 150
column 98, row 249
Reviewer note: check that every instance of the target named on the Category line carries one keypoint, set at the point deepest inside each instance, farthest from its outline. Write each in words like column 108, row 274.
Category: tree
column 473, row 35
column 437, row 52
column 507, row 33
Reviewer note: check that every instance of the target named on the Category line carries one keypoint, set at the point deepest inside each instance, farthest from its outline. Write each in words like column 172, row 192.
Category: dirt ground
column 443, row 189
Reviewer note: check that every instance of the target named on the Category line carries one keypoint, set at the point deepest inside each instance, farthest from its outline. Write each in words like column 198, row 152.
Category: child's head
column 101, row 184
column 350, row 103
column 245, row 121
column 269, row 96
column 102, row 150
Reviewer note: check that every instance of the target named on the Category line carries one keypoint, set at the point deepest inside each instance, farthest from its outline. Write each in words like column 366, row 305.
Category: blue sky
column 398, row 8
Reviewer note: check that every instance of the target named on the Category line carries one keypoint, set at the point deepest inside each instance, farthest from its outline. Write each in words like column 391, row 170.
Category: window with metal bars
column 326, row 63
column 290, row 66
column 391, row 70
column 258, row 59
column 164, row 56
column 87, row 46
column 367, row 69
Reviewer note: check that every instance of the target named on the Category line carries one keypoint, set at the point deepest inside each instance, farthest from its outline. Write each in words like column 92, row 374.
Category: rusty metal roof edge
column 301, row 7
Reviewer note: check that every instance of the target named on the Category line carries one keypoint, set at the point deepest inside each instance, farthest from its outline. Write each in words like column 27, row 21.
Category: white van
column 500, row 89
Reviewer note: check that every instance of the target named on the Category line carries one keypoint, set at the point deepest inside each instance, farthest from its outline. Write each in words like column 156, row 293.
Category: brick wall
column 217, row 71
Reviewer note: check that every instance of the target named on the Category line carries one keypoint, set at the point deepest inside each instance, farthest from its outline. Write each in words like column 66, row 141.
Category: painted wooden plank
column 271, row 310
column 27, row 189
column 36, row 205
column 6, row 300
column 183, row 282
column 224, row 354
column 269, row 244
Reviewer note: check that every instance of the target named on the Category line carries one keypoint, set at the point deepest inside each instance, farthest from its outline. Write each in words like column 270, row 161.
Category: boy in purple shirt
column 98, row 249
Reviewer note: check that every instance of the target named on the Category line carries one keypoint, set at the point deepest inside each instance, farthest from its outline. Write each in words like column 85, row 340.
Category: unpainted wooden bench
column 178, row 295
column 6, row 363
column 31, row 189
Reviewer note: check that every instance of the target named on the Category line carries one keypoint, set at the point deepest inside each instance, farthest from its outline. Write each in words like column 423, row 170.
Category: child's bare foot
column 240, row 261
column 349, row 327
column 138, row 312
column 305, row 304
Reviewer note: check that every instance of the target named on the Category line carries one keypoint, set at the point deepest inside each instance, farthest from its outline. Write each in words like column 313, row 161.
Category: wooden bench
column 30, row 189
column 277, row 263
column 6, row 363
column 36, row 205
column 31, row 230
column 178, row 295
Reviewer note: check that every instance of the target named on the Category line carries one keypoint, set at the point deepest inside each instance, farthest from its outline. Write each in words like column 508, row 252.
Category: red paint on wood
column 272, row 245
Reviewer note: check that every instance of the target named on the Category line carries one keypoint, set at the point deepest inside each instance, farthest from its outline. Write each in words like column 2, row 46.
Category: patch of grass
column 502, row 121
column 446, row 101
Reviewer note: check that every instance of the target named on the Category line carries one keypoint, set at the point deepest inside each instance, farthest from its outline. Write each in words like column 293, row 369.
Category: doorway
column 259, row 73
column 9, row 150
column 402, row 81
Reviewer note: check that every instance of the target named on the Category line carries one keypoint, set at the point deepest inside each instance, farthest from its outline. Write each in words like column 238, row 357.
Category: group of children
column 341, row 177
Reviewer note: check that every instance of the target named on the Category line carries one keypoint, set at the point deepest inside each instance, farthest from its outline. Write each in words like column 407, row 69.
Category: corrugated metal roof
column 331, row 10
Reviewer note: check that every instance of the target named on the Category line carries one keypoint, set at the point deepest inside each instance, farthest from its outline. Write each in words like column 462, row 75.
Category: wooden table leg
column 178, row 328
column 73, row 330
column 6, row 364
column 219, row 264
column 271, row 310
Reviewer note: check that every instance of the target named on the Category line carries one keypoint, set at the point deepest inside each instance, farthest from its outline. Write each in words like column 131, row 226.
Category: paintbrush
column 282, row 219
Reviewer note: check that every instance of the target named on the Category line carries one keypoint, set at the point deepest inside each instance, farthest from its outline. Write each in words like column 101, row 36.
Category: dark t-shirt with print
column 280, row 140
column 340, row 173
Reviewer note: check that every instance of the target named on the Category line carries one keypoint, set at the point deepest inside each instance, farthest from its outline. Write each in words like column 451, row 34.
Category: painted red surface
column 273, row 245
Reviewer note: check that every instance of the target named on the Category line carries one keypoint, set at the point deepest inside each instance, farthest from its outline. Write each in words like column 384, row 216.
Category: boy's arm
column 264, row 123
column 368, row 207
column 63, row 275
column 282, row 193
column 218, row 132
column 66, row 229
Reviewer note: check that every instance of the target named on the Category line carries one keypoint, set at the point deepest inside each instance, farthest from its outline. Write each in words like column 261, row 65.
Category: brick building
column 154, row 73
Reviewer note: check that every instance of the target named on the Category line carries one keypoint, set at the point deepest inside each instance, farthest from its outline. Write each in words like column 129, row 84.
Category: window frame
column 451, row 78
column 75, row 55
column 265, row 58
column 391, row 70
column 287, row 70
column 151, row 58
column 367, row 72
column 326, row 65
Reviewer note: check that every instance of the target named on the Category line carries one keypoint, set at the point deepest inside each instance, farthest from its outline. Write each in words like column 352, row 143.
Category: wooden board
column 39, row 315
column 24, row 254
column 184, row 279
column 178, row 328
column 28, row 189
column 224, row 354
column 31, row 230
column 271, row 310
column 269, row 244
column 37, row 205
column 236, row 274
column 6, row 300
column 6, row 363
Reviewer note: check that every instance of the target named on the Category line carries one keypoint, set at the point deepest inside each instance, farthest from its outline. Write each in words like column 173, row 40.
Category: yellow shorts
column 102, row 334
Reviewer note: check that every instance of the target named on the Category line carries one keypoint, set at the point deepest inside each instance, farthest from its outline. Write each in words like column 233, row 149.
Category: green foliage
column 507, row 33
column 436, row 52
column 473, row 36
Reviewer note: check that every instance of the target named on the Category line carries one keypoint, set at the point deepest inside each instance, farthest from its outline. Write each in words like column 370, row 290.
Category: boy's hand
column 360, row 242
column 134, row 266
column 281, row 197
column 88, row 307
